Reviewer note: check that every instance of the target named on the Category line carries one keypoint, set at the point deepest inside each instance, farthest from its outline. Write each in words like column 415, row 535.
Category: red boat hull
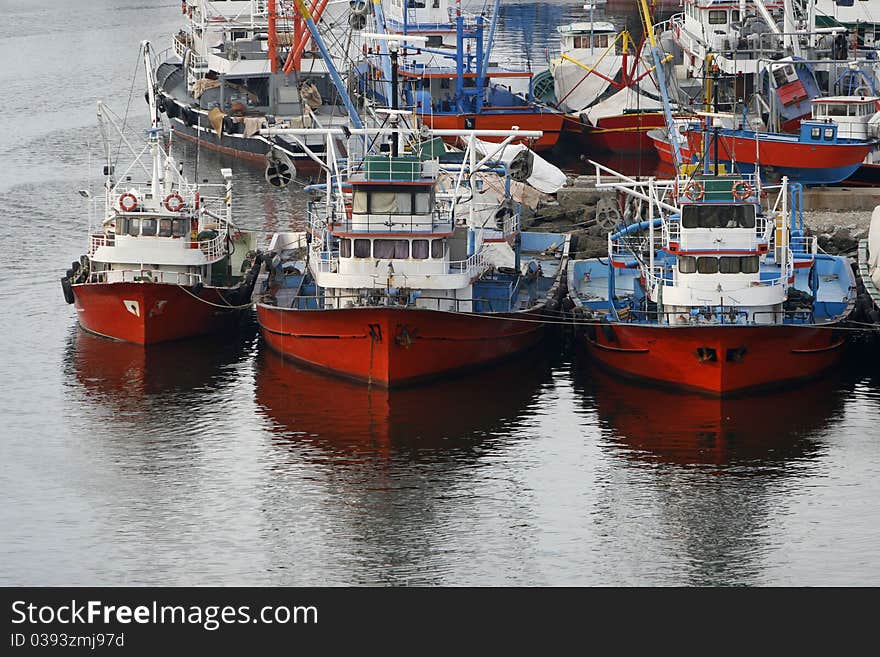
column 396, row 346
column 664, row 150
column 716, row 360
column 624, row 133
column 791, row 154
column 147, row 313
column 550, row 123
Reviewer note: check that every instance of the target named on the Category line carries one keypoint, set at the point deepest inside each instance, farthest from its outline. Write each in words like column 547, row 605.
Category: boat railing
column 438, row 221
column 803, row 244
column 327, row 262
column 97, row 240
column 144, row 276
column 671, row 231
column 716, row 315
column 744, row 188
column 213, row 248
column 625, row 247
column 661, row 276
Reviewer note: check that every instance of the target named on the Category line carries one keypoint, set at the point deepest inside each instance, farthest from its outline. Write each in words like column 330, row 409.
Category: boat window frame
column 345, row 247
column 421, row 242
column 691, row 264
column 396, row 245
column 729, row 265
column 153, row 226
column 707, row 259
column 754, row 262
column 713, row 13
column 357, row 251
column 691, row 211
column 434, row 243
column 176, row 224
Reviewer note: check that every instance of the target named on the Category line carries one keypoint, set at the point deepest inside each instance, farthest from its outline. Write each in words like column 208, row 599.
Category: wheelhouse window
column 728, row 265
column 718, row 17
column 134, row 227
column 749, row 264
column 359, row 202
column 391, row 248
column 390, row 201
column 345, row 248
column 718, row 216
column 148, row 227
column 687, row 264
column 362, row 248
column 164, row 227
column 829, row 134
column 815, row 133
column 420, row 249
column 438, row 248
column 707, row 265
column 180, row 227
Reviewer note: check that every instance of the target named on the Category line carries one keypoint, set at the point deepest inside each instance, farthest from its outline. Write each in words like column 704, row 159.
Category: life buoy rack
column 173, row 202
column 128, row 202
column 741, row 190
column 694, row 190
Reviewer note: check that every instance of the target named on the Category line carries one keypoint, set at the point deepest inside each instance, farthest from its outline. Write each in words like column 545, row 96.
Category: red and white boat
column 594, row 59
column 165, row 261
column 439, row 81
column 712, row 292
column 411, row 269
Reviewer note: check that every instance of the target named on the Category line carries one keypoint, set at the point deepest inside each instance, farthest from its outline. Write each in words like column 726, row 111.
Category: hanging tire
column 67, row 288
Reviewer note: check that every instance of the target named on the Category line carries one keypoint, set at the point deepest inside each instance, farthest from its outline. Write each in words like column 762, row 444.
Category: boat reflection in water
column 673, row 427
column 129, row 377
column 309, row 409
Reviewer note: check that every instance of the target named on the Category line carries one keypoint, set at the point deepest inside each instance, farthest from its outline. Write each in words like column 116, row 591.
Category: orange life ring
column 132, row 204
column 694, row 190
column 173, row 202
column 741, row 190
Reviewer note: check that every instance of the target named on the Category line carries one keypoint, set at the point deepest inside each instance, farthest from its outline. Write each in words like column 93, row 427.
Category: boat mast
column 484, row 65
column 272, row 44
column 155, row 125
column 661, row 82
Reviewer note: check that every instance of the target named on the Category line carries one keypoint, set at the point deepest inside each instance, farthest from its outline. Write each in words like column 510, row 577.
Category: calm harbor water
column 215, row 462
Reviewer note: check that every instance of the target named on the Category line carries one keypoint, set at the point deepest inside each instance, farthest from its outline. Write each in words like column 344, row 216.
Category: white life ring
column 173, row 202
column 128, row 202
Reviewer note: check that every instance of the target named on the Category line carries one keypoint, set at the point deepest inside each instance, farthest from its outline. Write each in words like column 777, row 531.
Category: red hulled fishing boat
column 408, row 272
column 712, row 293
column 165, row 262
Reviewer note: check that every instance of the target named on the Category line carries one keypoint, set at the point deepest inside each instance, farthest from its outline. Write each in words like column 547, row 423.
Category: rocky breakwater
column 580, row 209
column 838, row 232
